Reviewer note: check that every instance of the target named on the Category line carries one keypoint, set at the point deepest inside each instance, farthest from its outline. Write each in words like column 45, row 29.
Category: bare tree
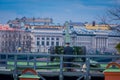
column 114, row 13
column 111, row 17
column 104, row 19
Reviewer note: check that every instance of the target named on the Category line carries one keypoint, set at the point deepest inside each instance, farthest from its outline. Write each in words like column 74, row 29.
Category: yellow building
column 97, row 27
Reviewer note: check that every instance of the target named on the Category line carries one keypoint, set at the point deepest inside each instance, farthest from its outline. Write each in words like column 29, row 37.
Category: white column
column 50, row 41
column 107, row 42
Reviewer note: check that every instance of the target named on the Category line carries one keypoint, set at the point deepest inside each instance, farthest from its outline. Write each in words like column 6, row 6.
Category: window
column 27, row 37
column 57, row 38
column 23, row 37
column 38, row 38
column 2, row 43
column 6, row 35
column 9, row 43
column 57, row 43
column 38, row 43
column 6, row 43
column 47, row 43
column 47, row 38
column 43, row 38
column 43, row 43
column 52, row 38
column 38, row 50
column 52, row 43
column 3, row 35
column 19, row 36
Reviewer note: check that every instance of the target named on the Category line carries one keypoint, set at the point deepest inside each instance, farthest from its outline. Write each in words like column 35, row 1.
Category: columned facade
column 46, row 38
column 97, row 40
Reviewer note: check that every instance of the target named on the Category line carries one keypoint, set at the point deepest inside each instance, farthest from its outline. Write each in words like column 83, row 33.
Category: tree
column 104, row 20
column 114, row 13
column 111, row 17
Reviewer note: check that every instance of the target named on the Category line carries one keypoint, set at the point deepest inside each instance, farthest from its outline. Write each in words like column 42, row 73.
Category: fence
column 93, row 65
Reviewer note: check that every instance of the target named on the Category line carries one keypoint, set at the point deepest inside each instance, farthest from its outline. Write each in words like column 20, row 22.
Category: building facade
column 14, row 40
column 93, row 37
column 97, row 40
column 46, row 37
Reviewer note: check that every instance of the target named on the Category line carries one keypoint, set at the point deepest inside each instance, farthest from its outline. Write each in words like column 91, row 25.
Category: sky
column 59, row 10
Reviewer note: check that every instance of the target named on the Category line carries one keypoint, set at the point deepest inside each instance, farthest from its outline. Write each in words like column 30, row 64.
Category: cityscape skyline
column 59, row 10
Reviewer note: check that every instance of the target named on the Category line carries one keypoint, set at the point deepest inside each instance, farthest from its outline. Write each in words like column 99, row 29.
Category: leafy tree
column 77, row 50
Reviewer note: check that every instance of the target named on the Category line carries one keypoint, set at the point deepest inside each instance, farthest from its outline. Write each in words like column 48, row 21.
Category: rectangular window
column 43, row 43
column 43, row 38
column 2, row 43
column 52, row 38
column 38, row 38
column 57, row 38
column 9, row 43
column 38, row 43
column 38, row 50
column 57, row 43
column 52, row 43
column 47, row 43
column 23, row 37
column 47, row 38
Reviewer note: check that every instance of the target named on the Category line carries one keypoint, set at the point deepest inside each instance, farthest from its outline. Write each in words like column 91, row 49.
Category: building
column 92, row 36
column 97, row 27
column 45, row 34
column 96, row 40
column 28, row 22
column 14, row 40
column 100, row 40
column 46, row 37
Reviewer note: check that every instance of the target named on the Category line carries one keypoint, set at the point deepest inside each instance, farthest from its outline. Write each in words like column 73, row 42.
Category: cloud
column 57, row 9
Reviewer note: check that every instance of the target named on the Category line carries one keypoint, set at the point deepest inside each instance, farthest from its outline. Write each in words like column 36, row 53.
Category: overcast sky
column 59, row 10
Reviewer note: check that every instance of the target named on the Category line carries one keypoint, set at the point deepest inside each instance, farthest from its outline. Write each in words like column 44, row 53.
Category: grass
column 40, row 65
column 54, row 66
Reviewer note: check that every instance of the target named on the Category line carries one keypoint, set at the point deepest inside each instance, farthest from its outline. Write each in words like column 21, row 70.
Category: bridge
column 14, row 63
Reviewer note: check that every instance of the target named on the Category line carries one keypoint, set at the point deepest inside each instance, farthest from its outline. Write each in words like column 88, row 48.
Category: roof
column 6, row 27
column 77, row 24
column 83, row 30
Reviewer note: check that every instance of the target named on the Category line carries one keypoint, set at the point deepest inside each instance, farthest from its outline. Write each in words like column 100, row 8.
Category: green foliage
column 118, row 47
column 77, row 50
column 59, row 49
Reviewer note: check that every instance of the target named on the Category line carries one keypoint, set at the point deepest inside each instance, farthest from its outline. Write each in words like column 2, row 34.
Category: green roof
column 112, row 70
column 29, row 76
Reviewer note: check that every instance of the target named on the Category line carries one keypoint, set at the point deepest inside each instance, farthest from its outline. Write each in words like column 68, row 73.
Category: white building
column 44, row 38
column 100, row 40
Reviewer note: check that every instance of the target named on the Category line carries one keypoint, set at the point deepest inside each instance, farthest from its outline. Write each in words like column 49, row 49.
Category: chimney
column 93, row 23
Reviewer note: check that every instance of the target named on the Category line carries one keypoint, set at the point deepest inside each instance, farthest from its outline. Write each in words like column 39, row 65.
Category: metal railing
column 14, row 63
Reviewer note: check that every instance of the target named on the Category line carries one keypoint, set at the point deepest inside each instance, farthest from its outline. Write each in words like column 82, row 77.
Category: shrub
column 77, row 50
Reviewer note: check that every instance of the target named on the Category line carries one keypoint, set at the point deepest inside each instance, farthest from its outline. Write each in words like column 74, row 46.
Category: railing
column 14, row 63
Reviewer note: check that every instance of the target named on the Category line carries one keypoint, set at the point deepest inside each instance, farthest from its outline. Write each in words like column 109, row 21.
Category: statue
column 67, row 35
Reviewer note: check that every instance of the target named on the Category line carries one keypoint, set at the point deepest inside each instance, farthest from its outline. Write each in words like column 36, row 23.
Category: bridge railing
column 93, row 65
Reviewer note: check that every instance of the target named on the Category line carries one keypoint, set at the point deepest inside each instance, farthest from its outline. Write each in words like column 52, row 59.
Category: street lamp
column 19, row 49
